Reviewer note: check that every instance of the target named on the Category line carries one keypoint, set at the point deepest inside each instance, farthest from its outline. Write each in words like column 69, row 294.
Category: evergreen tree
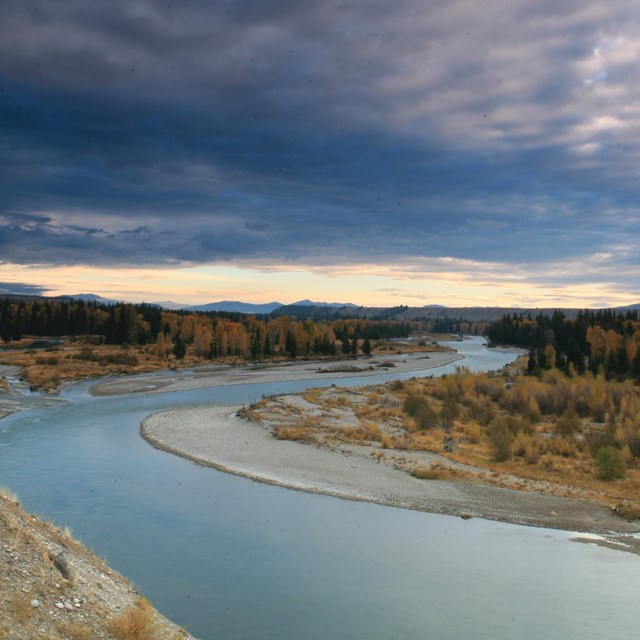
column 179, row 348
column 267, row 346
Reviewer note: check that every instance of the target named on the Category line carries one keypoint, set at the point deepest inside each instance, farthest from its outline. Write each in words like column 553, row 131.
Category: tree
column 161, row 345
column 366, row 347
column 179, row 348
column 267, row 345
column 532, row 364
column 610, row 464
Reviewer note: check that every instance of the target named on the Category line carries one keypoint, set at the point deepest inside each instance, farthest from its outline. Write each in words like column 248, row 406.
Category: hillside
column 52, row 587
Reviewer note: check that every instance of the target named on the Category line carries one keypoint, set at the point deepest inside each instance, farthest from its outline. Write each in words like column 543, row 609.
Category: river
column 234, row 559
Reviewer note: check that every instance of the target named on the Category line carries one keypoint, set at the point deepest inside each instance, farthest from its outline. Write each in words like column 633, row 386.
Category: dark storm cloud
column 146, row 132
column 20, row 288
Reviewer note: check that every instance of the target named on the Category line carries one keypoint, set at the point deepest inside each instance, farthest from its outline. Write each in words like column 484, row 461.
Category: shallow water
column 231, row 558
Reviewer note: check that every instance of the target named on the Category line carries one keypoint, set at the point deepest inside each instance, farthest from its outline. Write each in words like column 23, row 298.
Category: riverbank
column 215, row 436
column 223, row 375
column 54, row 587
column 15, row 396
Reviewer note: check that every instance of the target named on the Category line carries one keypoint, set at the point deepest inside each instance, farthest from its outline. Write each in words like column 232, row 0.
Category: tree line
column 209, row 334
column 602, row 341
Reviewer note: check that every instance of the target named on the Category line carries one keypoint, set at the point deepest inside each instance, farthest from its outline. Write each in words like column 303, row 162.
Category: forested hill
column 603, row 340
column 211, row 334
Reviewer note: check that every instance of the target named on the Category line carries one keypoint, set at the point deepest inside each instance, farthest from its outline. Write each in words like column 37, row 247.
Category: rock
column 68, row 606
column 59, row 605
column 62, row 564
column 35, row 603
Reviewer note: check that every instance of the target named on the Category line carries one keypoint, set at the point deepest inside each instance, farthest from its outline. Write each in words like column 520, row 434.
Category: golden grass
column 426, row 473
column 74, row 631
column 9, row 495
column 136, row 623
column 293, row 433
column 19, row 539
column 547, row 422
column 21, row 607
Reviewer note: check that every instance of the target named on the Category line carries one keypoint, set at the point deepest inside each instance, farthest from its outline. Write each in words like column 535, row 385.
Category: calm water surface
column 232, row 559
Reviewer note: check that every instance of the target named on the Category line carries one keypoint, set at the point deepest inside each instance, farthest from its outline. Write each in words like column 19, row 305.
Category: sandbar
column 223, row 375
column 215, row 436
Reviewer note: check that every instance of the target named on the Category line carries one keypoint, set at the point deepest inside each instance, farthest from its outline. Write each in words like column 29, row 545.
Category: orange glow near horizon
column 453, row 283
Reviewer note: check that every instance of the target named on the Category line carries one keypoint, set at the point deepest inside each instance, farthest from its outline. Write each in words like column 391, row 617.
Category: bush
column 135, row 623
column 425, row 416
column 449, row 411
column 473, row 432
column 610, row 464
column 567, row 424
column 412, row 403
column 500, row 439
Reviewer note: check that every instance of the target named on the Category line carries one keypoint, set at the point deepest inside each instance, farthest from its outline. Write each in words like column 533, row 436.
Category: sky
column 381, row 153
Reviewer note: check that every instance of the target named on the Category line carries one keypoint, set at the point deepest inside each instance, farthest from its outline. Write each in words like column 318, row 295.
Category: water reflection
column 231, row 558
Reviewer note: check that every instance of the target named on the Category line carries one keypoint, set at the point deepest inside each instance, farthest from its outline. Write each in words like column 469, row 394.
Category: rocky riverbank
column 53, row 587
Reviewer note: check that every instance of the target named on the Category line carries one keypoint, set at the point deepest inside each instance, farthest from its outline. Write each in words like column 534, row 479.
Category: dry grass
column 20, row 537
column 426, row 473
column 544, row 426
column 74, row 631
column 78, row 359
column 135, row 623
column 9, row 495
column 21, row 607
column 292, row 433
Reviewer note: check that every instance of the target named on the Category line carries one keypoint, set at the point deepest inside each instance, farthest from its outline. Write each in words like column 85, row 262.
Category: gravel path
column 215, row 436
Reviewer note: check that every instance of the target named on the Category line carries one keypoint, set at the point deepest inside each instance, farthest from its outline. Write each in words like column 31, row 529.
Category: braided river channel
column 230, row 558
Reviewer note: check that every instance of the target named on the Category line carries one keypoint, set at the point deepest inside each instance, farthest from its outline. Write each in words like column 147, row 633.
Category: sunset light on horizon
column 465, row 154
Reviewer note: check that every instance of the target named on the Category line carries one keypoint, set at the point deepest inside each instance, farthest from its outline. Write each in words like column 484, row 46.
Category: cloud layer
column 142, row 132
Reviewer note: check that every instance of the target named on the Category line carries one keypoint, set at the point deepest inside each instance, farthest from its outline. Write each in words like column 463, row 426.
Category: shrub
column 412, row 403
column 135, row 623
column 610, row 464
column 426, row 473
column 597, row 437
column 425, row 417
column 473, row 432
column 500, row 439
column 632, row 439
column 449, row 411
column 568, row 423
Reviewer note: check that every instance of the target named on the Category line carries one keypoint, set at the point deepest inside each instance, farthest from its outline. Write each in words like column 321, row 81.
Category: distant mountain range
column 345, row 310
column 233, row 306
column 236, row 307
column 266, row 308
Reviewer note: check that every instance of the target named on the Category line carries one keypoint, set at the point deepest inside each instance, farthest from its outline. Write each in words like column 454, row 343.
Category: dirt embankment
column 53, row 587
